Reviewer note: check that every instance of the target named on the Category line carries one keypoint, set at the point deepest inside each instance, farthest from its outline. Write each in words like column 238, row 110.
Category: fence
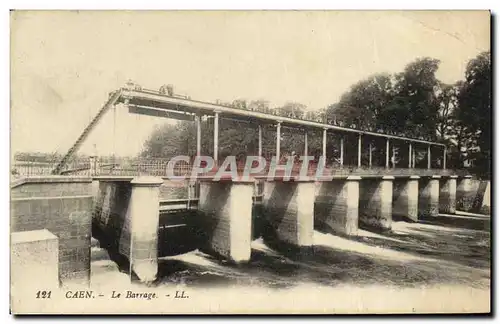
column 158, row 167
column 100, row 166
column 32, row 168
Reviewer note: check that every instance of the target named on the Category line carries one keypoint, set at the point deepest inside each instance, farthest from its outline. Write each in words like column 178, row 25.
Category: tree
column 240, row 104
column 474, row 107
column 235, row 138
column 413, row 103
column 260, row 105
column 448, row 103
column 293, row 110
column 416, row 99
column 170, row 140
column 362, row 106
column 404, row 104
column 450, row 130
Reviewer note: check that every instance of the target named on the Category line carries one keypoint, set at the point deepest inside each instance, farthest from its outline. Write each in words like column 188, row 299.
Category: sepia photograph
column 178, row 162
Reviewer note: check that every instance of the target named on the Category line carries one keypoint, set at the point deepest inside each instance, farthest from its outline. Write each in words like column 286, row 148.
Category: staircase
column 104, row 271
column 111, row 101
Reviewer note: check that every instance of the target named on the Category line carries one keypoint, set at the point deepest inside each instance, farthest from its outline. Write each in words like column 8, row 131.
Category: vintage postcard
column 250, row 162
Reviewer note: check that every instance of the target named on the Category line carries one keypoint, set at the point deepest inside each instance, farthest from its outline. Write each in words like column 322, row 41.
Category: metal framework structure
column 165, row 104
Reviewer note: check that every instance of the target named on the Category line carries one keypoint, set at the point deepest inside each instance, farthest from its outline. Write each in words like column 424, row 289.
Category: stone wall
column 127, row 213
column 428, row 197
column 62, row 205
column 405, row 198
column 226, row 218
column 375, row 202
column 448, row 195
column 111, row 206
column 337, row 204
column 289, row 208
column 33, row 253
column 466, row 193
column 482, row 201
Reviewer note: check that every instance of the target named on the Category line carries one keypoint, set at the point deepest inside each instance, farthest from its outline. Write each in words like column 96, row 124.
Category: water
column 412, row 255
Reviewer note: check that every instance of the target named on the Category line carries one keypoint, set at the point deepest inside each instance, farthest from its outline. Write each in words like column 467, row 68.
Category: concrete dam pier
column 127, row 211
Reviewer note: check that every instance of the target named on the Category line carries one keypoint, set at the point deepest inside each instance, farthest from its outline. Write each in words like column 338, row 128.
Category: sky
column 64, row 64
